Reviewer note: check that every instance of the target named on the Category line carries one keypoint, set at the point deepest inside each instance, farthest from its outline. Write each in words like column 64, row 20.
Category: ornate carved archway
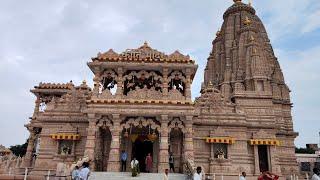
column 176, row 124
column 104, row 123
column 104, row 134
column 177, row 130
column 141, row 122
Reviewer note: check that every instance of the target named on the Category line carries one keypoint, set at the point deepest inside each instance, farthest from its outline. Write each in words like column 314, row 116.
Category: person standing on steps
column 198, row 174
column 135, row 167
column 171, row 163
column 149, row 163
column 124, row 157
column 75, row 173
column 85, row 171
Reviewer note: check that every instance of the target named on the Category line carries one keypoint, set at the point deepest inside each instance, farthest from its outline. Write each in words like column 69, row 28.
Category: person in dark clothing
column 171, row 162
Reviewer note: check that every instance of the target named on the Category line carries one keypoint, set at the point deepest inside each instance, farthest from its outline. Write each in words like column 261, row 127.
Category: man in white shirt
column 316, row 174
column 135, row 167
column 243, row 176
column 134, row 163
column 85, row 171
column 198, row 174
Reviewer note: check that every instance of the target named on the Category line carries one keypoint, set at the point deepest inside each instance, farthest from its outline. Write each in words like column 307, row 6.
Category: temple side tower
column 242, row 65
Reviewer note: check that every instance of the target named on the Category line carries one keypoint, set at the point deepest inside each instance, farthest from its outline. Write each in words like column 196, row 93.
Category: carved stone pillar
column 36, row 107
column 188, row 85
column 164, row 146
column 188, row 140
column 165, row 81
column 274, row 166
column 120, row 85
column 114, row 155
column 91, row 138
column 28, row 157
column 256, row 160
column 96, row 85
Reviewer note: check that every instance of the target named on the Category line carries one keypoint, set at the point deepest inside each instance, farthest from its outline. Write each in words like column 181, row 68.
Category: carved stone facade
column 141, row 102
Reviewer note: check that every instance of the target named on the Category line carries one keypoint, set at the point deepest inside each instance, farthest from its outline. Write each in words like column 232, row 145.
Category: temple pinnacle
column 237, row 1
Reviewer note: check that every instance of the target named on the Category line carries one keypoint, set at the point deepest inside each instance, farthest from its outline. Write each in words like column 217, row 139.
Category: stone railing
column 10, row 164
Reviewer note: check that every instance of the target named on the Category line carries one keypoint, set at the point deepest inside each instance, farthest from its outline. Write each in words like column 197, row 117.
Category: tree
column 304, row 151
column 19, row 150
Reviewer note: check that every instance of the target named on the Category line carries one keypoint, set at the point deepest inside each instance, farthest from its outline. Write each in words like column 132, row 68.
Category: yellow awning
column 222, row 140
column 271, row 142
column 59, row 136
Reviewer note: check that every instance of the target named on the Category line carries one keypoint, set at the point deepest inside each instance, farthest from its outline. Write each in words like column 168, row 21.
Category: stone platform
column 126, row 175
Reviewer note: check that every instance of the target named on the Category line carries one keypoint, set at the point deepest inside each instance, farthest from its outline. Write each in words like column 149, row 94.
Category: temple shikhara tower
column 141, row 103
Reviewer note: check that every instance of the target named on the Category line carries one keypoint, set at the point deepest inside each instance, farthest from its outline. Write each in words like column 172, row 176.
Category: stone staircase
column 127, row 175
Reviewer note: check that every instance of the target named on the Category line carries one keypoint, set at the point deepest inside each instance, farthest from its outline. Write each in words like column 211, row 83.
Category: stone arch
column 177, row 130
column 140, row 136
column 104, row 122
column 177, row 82
column 176, row 124
column 141, row 122
column 104, row 129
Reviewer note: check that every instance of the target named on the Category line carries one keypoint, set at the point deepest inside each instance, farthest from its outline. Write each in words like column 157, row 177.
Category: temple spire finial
column 237, row 1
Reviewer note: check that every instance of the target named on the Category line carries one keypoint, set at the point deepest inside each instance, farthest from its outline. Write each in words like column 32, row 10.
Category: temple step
column 126, row 175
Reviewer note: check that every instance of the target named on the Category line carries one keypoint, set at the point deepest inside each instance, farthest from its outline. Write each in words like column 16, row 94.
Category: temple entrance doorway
column 140, row 149
column 263, row 158
column 141, row 137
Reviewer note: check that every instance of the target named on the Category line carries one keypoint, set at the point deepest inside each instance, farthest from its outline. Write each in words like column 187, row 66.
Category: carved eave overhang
column 237, row 7
column 143, row 54
column 287, row 133
column 252, row 94
column 69, row 85
column 34, row 125
column 137, row 101
column 52, row 88
column 58, row 117
column 281, row 101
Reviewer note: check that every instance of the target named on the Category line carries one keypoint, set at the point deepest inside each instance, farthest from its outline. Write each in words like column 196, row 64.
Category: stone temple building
column 141, row 103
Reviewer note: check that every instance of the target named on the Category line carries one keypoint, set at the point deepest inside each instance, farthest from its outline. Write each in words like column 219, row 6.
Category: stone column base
column 162, row 167
column 113, row 167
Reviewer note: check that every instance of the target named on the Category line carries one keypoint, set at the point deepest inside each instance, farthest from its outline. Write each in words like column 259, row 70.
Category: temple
column 141, row 103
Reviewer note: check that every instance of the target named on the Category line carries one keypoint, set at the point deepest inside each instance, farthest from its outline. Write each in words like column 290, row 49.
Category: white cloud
column 312, row 22
column 289, row 17
column 301, row 71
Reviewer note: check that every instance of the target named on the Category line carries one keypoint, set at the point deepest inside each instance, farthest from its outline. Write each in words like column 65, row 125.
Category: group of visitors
column 84, row 172
column 81, row 174
column 135, row 163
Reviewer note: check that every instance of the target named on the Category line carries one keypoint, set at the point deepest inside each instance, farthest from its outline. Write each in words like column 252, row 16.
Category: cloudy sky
column 51, row 41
